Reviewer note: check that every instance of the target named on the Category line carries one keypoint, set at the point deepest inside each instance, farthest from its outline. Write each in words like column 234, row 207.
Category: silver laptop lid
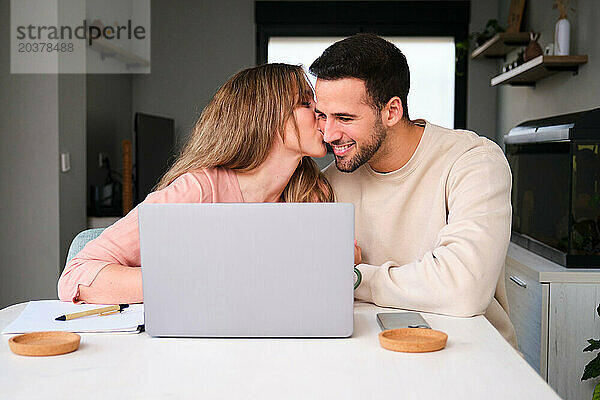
column 248, row 269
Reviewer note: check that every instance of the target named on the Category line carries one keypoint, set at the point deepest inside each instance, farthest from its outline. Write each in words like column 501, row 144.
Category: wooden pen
column 102, row 310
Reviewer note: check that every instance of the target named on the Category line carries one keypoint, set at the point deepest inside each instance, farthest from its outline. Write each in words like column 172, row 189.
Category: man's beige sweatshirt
column 434, row 234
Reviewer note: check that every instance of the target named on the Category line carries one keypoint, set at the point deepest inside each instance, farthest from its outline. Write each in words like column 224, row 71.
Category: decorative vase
column 561, row 37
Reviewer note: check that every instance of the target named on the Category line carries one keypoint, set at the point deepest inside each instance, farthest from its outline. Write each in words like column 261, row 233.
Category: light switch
column 65, row 162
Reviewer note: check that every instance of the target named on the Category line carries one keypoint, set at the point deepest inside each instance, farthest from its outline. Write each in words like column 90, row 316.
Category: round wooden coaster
column 44, row 343
column 413, row 340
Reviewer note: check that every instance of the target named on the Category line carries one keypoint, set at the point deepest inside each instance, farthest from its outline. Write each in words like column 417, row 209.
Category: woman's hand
column 357, row 254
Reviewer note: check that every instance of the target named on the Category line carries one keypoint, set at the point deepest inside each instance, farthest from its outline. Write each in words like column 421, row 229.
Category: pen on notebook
column 102, row 310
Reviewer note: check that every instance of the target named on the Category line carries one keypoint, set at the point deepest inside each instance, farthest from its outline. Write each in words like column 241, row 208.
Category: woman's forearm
column 114, row 284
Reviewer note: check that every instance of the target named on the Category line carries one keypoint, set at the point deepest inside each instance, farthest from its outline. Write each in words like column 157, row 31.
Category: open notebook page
column 40, row 316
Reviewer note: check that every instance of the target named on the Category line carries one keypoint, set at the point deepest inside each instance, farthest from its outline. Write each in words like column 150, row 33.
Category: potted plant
column 491, row 29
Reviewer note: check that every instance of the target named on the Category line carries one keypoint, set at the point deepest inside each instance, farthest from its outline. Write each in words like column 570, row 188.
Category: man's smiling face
column 348, row 122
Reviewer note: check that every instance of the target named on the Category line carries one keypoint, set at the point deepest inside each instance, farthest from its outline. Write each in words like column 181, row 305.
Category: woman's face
column 310, row 141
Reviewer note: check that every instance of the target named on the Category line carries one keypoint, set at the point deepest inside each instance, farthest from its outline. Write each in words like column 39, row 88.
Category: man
column 432, row 205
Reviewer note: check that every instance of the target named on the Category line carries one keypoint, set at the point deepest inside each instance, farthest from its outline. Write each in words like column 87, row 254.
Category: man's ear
column 393, row 112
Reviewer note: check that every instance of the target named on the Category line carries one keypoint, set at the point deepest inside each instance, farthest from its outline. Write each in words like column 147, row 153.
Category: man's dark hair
column 372, row 59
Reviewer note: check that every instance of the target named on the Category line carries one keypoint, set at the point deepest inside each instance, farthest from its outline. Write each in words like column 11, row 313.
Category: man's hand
column 357, row 254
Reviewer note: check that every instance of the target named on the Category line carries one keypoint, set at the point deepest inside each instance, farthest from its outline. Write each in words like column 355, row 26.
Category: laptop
column 248, row 269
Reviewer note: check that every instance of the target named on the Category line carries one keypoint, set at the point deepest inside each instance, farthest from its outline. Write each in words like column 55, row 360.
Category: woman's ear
column 393, row 112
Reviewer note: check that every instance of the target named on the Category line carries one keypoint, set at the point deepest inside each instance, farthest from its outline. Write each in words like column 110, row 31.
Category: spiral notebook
column 40, row 316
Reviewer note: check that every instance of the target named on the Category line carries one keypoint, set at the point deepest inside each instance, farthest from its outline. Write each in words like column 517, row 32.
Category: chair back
column 81, row 239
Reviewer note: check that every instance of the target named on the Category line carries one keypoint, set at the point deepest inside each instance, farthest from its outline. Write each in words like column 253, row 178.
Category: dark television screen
column 154, row 151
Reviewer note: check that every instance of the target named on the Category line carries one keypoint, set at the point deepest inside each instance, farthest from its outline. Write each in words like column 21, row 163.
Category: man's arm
column 459, row 275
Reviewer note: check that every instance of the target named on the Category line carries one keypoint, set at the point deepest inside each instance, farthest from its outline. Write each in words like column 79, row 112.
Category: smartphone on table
column 397, row 320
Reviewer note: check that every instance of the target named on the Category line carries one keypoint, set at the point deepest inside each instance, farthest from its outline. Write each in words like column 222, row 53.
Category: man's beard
column 366, row 152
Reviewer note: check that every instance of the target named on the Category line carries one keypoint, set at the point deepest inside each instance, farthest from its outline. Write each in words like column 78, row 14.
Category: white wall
column 72, row 139
column 196, row 46
column 40, row 115
column 29, row 183
column 481, row 98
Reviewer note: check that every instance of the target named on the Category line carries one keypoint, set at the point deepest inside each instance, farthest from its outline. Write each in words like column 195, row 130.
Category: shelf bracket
column 574, row 69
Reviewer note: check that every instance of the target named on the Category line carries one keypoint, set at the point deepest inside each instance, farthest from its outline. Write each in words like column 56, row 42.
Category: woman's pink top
column 120, row 243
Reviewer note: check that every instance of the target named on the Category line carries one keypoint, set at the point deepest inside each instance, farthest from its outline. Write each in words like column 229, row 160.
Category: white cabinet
column 553, row 310
column 527, row 297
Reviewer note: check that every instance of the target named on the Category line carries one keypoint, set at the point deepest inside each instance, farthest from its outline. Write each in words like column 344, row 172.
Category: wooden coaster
column 413, row 340
column 44, row 343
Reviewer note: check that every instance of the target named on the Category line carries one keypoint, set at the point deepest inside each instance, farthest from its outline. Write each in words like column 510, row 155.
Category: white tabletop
column 476, row 363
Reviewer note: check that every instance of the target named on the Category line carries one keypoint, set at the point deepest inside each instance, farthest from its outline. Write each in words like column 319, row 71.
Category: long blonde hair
column 237, row 129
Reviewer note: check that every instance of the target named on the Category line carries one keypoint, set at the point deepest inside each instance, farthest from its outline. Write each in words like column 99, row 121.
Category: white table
column 476, row 364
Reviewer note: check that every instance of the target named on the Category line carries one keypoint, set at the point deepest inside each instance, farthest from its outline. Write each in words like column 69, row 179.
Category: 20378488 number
column 45, row 47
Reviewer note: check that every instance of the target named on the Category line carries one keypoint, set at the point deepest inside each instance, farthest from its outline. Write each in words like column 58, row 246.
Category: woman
column 252, row 143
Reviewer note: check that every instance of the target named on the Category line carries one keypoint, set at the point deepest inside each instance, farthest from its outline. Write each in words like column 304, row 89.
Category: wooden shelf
column 538, row 68
column 107, row 49
column 500, row 45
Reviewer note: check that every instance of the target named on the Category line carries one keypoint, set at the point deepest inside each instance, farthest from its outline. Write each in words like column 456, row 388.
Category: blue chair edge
column 81, row 239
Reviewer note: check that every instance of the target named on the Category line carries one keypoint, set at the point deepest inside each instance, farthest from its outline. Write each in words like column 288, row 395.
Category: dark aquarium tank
column 555, row 164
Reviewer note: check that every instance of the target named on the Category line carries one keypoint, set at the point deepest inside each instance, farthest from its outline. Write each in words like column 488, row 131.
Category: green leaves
column 594, row 345
column 596, row 395
column 592, row 370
